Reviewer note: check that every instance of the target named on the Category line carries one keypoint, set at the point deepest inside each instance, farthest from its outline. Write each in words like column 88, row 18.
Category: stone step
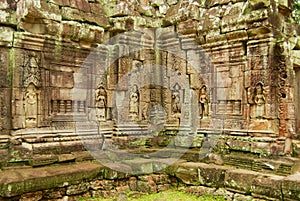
column 267, row 186
column 279, row 166
column 4, row 140
column 16, row 182
column 282, row 166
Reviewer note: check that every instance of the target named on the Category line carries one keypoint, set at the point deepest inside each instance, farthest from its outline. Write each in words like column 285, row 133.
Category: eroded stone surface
column 50, row 97
column 57, row 182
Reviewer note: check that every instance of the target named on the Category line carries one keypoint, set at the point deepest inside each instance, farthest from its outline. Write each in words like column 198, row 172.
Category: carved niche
column 176, row 102
column 31, row 83
column 101, row 103
column 258, row 101
column 31, row 106
column 134, row 98
column 203, row 102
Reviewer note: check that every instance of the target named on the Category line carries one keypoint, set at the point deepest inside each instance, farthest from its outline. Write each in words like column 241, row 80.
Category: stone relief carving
column 175, row 104
column 64, row 52
column 259, row 100
column 101, row 100
column 134, row 103
column 203, row 102
column 31, row 82
column 31, row 73
column 31, row 106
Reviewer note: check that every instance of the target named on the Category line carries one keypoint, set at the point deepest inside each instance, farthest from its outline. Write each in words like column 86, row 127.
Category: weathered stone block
column 240, row 35
column 213, row 12
column 261, row 148
column 258, row 4
column 184, row 141
column 267, row 186
column 291, row 187
column 211, row 175
column 61, row 2
column 188, row 27
column 210, row 25
column 17, row 182
column 70, row 30
column 6, row 36
column 221, row 192
column 55, row 193
column 78, row 189
column 240, row 180
column 188, row 173
column 5, row 77
column 233, row 9
column 163, row 187
column 200, row 190
column 123, row 189
column 43, row 160
column 32, row 196
column 215, row 38
column 257, row 15
column 96, row 8
column 258, row 124
column 214, row 3
column 172, row 16
column 241, row 197
column 239, row 145
column 4, row 5
column 258, row 31
column 66, row 157
column 199, row 173
column 8, row 18
column 232, row 23
column 77, row 15
column 149, row 186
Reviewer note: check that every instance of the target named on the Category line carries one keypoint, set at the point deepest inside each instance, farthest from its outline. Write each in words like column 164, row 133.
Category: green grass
column 170, row 195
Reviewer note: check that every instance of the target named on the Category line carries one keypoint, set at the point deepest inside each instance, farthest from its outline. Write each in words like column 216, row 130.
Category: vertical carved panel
column 31, row 70
column 31, row 81
column 31, row 106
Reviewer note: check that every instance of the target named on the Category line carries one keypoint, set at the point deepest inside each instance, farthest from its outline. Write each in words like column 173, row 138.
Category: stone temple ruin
column 202, row 93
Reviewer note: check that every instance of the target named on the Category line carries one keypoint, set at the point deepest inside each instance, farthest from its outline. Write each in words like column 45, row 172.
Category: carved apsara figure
column 101, row 97
column 30, row 106
column 259, row 100
column 176, row 107
column 203, row 102
column 134, row 103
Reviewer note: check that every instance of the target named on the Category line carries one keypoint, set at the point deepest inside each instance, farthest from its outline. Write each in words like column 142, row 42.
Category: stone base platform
column 71, row 181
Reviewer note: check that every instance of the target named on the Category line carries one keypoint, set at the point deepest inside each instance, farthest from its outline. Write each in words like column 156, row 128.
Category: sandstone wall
column 44, row 45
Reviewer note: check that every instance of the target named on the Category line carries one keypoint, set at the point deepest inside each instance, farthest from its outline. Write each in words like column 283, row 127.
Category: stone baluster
column 222, row 106
column 237, row 107
column 229, row 107
column 81, row 106
column 75, row 106
column 62, row 108
column 68, row 106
